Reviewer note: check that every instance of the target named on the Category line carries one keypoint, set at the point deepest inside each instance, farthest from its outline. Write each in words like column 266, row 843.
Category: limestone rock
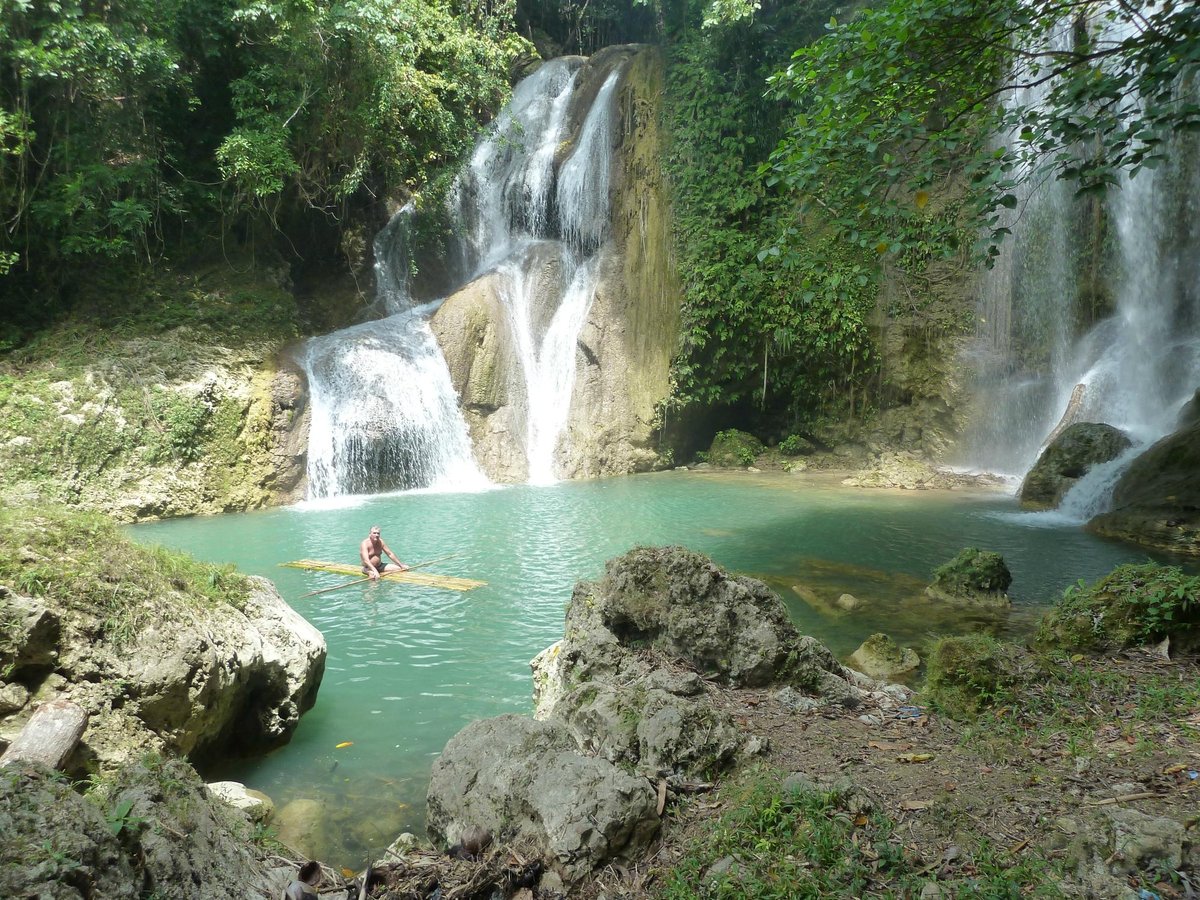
column 524, row 781
column 682, row 605
column 53, row 836
column 150, row 829
column 1157, row 501
column 255, row 804
column 974, row 576
column 1068, row 458
column 29, row 634
column 199, row 681
column 880, row 657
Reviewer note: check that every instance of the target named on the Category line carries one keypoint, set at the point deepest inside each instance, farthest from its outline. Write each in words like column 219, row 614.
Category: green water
column 409, row 666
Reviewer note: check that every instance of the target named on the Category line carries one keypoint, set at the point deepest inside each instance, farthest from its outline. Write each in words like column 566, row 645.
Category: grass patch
column 80, row 561
column 772, row 843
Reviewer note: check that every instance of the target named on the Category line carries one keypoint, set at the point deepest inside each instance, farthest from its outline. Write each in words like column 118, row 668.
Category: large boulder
column 151, row 829
column 880, row 657
column 199, row 681
column 626, row 682
column 1157, row 501
column 525, row 782
column 1067, row 459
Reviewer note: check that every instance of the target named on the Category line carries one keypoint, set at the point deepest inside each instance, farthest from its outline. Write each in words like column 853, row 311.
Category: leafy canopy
column 902, row 97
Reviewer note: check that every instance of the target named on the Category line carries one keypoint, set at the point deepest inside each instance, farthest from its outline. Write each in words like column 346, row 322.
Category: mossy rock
column 967, row 674
column 1068, row 458
column 974, row 576
column 1157, row 501
column 1131, row 606
column 881, row 657
column 734, row 449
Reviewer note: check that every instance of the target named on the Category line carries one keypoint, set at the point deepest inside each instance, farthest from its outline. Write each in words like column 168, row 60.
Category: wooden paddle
column 338, row 587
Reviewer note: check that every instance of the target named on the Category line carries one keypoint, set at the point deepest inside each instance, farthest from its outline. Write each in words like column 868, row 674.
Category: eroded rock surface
column 623, row 709
column 197, row 682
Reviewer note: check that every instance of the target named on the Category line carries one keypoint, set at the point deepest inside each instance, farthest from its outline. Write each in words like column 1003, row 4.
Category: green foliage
column 80, row 561
column 788, row 333
column 340, row 95
column 778, row 843
column 968, row 674
column 973, row 570
column 733, row 448
column 1132, row 605
column 904, row 96
column 795, row 445
column 786, row 845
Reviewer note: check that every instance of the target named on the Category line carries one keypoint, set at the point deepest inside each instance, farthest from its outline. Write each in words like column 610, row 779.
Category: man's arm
column 388, row 551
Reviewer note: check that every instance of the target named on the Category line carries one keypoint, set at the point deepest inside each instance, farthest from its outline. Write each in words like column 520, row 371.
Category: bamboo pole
column 420, row 565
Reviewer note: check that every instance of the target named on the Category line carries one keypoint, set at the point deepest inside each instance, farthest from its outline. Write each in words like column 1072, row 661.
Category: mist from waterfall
column 384, row 412
column 1138, row 365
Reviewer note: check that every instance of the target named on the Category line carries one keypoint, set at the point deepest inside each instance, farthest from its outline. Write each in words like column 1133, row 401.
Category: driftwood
column 408, row 576
column 1068, row 417
column 49, row 736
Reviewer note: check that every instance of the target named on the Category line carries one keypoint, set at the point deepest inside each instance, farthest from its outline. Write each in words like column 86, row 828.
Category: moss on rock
column 1132, row 605
column 967, row 674
column 978, row 576
column 733, row 449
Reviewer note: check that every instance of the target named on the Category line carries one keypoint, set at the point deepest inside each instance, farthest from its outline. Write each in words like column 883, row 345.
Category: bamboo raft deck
column 425, row 579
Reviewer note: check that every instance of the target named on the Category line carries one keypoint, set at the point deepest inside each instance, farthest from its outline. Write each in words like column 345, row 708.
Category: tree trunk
column 49, row 736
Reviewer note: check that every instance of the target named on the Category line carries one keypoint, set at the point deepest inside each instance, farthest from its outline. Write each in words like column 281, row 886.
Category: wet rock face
column 1157, row 501
column 1068, row 458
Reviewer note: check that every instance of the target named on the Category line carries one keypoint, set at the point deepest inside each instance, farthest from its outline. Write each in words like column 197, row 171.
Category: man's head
column 374, row 532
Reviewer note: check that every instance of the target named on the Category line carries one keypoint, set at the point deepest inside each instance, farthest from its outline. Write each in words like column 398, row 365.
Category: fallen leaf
column 1171, row 770
column 916, row 804
column 914, row 757
column 921, row 198
column 347, row 873
column 949, row 786
column 344, row 744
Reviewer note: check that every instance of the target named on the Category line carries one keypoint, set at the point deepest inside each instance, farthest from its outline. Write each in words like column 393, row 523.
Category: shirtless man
column 372, row 551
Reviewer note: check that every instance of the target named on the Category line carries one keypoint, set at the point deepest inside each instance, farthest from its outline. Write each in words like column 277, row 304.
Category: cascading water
column 385, row 415
column 1133, row 369
column 515, row 217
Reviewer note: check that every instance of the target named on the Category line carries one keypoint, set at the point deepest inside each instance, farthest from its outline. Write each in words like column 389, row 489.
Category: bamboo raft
column 425, row 579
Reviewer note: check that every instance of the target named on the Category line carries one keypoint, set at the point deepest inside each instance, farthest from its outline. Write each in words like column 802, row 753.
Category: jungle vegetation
column 815, row 147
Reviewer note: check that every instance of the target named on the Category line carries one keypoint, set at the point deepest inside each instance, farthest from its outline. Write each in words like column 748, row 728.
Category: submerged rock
column 1157, row 501
column 1068, row 458
column 880, row 657
column 974, row 576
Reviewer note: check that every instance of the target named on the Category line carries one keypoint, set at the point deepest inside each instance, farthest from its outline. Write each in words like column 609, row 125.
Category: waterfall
column 385, row 415
column 1134, row 366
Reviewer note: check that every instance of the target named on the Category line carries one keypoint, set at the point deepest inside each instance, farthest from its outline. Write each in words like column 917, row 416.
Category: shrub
column 1132, row 605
